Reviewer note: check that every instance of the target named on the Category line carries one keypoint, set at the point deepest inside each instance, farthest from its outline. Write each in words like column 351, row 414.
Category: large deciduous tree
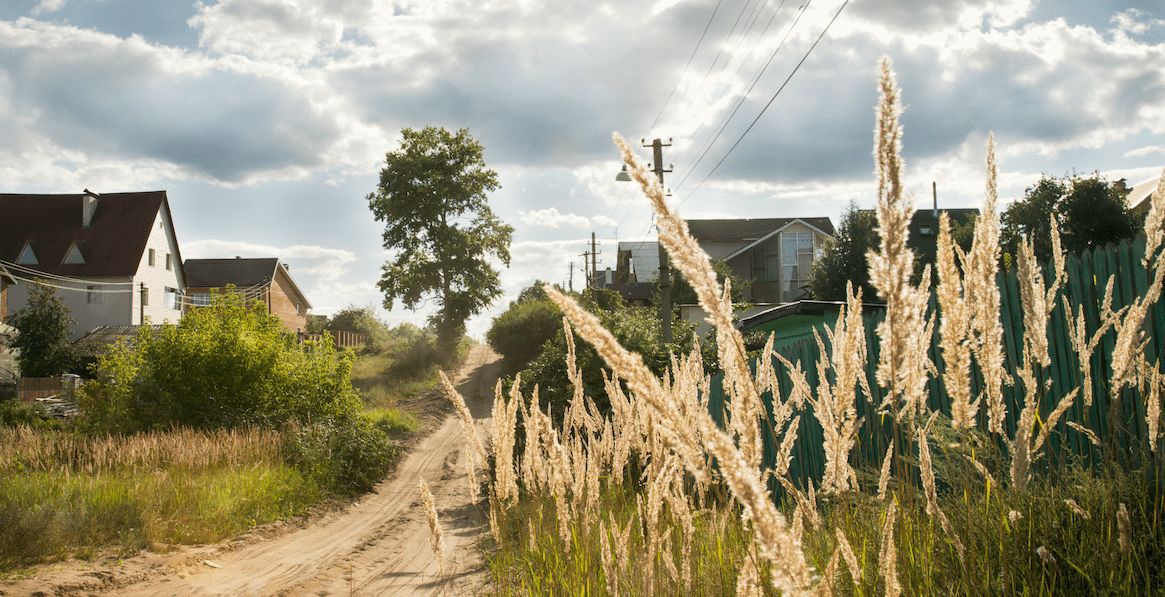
column 43, row 340
column 1090, row 211
column 439, row 228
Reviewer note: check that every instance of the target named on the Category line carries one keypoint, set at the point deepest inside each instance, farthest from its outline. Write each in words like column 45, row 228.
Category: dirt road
column 378, row 546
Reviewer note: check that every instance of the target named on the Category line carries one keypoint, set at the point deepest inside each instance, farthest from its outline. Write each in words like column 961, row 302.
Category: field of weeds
column 656, row 497
column 63, row 493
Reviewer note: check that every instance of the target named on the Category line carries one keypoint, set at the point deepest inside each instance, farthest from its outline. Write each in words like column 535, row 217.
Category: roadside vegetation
column 644, row 492
column 204, row 429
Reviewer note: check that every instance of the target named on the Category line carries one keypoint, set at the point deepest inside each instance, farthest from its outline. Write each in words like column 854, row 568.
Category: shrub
column 519, row 333
column 362, row 320
column 14, row 413
column 346, row 457
column 225, row 365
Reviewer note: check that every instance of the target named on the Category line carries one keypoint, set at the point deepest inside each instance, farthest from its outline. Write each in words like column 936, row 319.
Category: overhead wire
column 724, row 122
column 699, row 42
column 43, row 274
column 767, row 105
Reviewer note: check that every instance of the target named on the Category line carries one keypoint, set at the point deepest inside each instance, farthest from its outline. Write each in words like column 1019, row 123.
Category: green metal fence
column 1088, row 275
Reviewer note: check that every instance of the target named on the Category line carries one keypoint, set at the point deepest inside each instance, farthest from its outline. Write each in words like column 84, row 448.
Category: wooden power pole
column 594, row 263
column 664, row 267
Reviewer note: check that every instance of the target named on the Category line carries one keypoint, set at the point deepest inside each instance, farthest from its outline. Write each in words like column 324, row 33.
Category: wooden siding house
column 266, row 279
column 774, row 254
column 113, row 258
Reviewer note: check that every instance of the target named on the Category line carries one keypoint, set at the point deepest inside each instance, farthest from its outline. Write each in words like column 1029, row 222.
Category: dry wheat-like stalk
column 1153, row 406
column 903, row 366
column 847, row 551
column 1084, row 345
column 1031, row 293
column 1130, row 335
column 505, row 420
column 926, row 470
column 884, row 477
column 476, row 450
column 748, row 578
column 611, row 572
column 983, row 295
column 1046, row 556
column 1124, row 529
column 986, row 474
column 888, row 555
column 954, row 331
column 1021, row 443
column 1076, row 509
column 1086, row 432
column 436, row 536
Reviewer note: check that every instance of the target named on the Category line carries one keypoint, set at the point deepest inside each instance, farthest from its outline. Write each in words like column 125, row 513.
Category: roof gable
column 114, row 241
column 762, row 239
column 218, row 273
column 748, row 230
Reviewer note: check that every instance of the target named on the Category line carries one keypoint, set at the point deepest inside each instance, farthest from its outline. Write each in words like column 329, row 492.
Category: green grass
column 1001, row 556
column 394, row 421
column 381, row 386
column 46, row 516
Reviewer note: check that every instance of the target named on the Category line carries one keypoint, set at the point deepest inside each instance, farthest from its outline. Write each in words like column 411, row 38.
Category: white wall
column 156, row 277
column 109, row 308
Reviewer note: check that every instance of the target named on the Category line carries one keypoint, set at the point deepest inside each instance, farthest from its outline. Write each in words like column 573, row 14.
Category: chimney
column 934, row 194
column 88, row 207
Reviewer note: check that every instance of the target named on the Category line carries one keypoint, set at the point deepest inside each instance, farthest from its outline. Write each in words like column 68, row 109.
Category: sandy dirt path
column 377, row 546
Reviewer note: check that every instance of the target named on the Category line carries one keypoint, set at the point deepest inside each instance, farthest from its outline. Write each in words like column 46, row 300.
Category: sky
column 267, row 121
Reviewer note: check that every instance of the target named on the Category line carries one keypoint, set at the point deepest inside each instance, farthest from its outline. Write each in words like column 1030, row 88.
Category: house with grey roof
column 775, row 254
column 266, row 280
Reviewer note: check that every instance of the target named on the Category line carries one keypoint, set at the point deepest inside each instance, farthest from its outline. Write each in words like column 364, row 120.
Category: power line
column 723, row 124
column 685, row 71
column 770, row 103
column 42, row 274
column 715, row 61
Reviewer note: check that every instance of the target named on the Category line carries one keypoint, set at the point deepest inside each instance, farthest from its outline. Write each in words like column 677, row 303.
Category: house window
column 170, row 298
column 73, row 255
column 151, row 257
column 797, row 253
column 200, row 299
column 92, row 296
column 765, row 264
column 27, row 257
column 169, row 265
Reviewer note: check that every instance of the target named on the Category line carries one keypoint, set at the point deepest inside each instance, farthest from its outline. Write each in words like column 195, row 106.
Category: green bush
column 635, row 327
column 519, row 333
column 346, row 457
column 14, row 412
column 225, row 365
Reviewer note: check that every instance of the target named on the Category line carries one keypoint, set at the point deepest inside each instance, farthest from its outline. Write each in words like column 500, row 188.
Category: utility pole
column 570, row 282
column 142, row 306
column 664, row 267
column 586, row 268
column 594, row 263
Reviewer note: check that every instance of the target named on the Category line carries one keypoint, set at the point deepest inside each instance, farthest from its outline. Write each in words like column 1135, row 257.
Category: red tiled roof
column 111, row 246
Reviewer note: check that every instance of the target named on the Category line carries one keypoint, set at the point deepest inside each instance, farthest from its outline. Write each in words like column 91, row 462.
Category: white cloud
column 550, row 217
column 1147, row 150
column 604, row 221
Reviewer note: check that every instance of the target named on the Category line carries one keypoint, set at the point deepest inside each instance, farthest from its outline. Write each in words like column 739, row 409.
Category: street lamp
column 623, row 176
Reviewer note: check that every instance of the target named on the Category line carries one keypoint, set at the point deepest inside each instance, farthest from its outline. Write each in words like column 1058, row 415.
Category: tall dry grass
column 655, row 497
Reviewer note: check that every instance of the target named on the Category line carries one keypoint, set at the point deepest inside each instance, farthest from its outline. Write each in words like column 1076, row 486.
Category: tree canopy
column 439, row 228
column 43, row 340
column 844, row 257
column 1090, row 211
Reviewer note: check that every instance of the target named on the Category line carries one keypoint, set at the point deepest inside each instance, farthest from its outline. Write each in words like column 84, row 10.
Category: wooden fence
column 341, row 339
column 29, row 389
column 1088, row 275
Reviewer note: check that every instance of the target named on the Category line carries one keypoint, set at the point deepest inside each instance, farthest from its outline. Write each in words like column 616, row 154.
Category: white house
column 113, row 257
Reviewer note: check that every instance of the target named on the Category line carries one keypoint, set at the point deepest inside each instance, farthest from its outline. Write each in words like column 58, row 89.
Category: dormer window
column 73, row 255
column 27, row 257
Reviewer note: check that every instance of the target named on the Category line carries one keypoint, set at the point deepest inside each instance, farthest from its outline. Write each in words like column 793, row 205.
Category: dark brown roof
column 111, row 246
column 747, row 229
column 218, row 273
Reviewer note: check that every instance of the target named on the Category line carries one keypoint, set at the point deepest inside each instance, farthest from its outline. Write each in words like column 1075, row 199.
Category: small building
column 113, row 258
column 793, row 322
column 1141, row 195
column 775, row 254
column 265, row 279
